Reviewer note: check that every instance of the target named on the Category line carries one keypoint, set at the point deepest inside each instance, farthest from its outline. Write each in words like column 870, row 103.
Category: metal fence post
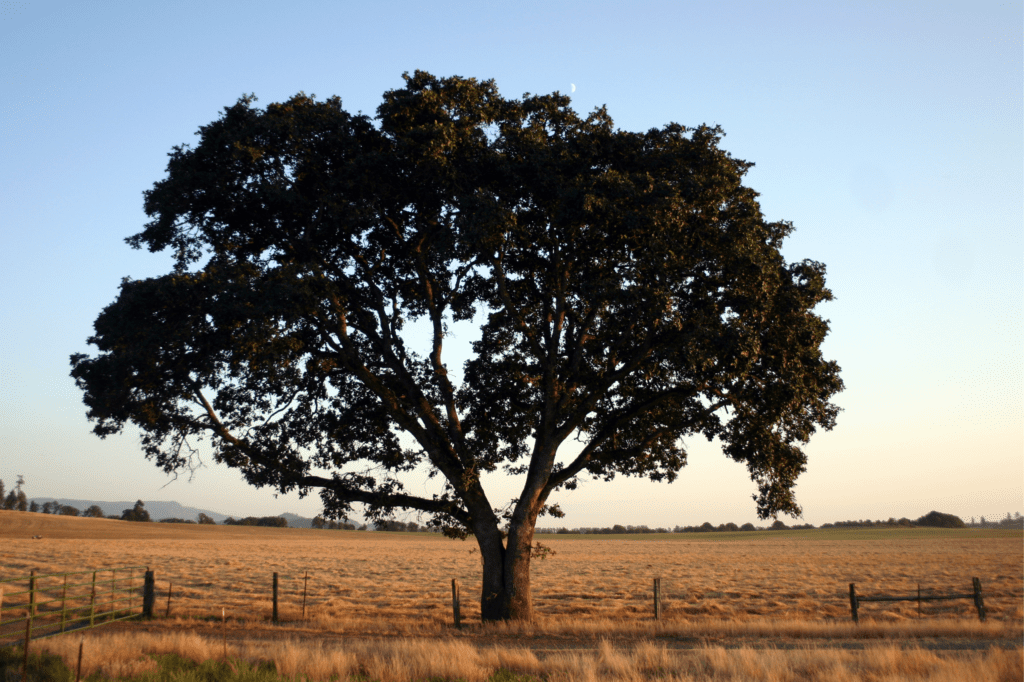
column 148, row 594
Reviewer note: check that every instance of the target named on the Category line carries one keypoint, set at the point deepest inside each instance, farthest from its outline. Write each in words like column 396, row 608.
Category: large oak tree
column 628, row 293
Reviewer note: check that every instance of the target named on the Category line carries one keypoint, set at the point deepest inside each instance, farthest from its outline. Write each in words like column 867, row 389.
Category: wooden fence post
column 148, row 594
column 657, row 599
column 455, row 603
column 81, row 645
column 853, row 601
column 919, row 600
column 305, row 582
column 170, row 586
column 275, row 596
column 28, row 636
column 64, row 605
column 113, row 586
column 979, row 601
column 92, row 602
column 32, row 593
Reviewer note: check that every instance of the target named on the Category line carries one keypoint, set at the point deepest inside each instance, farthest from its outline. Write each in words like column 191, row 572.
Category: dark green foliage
column 42, row 667
column 891, row 523
column 401, row 527
column 136, row 513
column 175, row 520
column 93, row 511
column 68, row 510
column 16, row 499
column 628, row 290
column 204, row 520
column 936, row 519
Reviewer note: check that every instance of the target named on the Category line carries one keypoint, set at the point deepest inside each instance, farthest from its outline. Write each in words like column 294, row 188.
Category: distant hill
column 161, row 510
column 296, row 521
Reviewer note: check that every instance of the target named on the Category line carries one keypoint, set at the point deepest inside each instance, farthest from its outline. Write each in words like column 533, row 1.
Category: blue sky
column 890, row 134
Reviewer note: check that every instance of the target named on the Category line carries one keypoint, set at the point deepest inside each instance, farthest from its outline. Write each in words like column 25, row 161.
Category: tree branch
column 586, row 455
column 348, row 494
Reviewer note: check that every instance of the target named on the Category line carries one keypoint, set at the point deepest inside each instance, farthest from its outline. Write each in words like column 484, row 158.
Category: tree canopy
column 627, row 290
column 136, row 513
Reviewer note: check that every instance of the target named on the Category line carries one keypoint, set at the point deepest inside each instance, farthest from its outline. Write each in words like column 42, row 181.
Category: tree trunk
column 492, row 591
column 505, row 594
column 518, row 553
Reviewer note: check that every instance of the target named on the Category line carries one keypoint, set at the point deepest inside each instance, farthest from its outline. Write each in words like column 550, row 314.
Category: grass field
column 405, row 578
column 745, row 590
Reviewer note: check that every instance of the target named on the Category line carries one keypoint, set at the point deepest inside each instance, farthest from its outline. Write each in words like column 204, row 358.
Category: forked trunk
column 518, row 598
column 506, row 579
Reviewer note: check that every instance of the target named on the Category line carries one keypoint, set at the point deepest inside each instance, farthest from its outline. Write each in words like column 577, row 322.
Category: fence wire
column 53, row 603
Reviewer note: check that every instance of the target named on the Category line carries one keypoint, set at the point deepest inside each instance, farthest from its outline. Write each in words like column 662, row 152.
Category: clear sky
column 889, row 133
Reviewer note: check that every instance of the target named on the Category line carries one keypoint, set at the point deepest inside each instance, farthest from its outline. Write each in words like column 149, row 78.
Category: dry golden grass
column 377, row 583
column 379, row 604
column 416, row 659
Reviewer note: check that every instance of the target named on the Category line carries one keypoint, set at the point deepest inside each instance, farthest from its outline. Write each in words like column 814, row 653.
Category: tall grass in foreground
column 406, row 660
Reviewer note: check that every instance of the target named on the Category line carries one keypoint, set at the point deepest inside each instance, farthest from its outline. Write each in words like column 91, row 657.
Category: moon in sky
column 573, row 87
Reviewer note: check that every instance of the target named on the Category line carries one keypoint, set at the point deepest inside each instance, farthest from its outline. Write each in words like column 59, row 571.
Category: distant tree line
column 932, row 519
column 389, row 526
column 17, row 500
column 1014, row 521
column 266, row 521
column 705, row 527
column 320, row 523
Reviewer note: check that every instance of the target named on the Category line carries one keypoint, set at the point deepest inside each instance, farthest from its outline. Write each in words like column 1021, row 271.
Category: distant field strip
column 368, row 579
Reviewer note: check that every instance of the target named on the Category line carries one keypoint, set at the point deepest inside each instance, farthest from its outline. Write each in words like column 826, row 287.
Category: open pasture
column 366, row 582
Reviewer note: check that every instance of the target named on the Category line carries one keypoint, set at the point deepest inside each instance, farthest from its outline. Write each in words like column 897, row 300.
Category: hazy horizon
column 889, row 134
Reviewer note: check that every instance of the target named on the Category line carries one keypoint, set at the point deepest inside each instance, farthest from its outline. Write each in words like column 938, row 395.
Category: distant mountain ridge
column 162, row 510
